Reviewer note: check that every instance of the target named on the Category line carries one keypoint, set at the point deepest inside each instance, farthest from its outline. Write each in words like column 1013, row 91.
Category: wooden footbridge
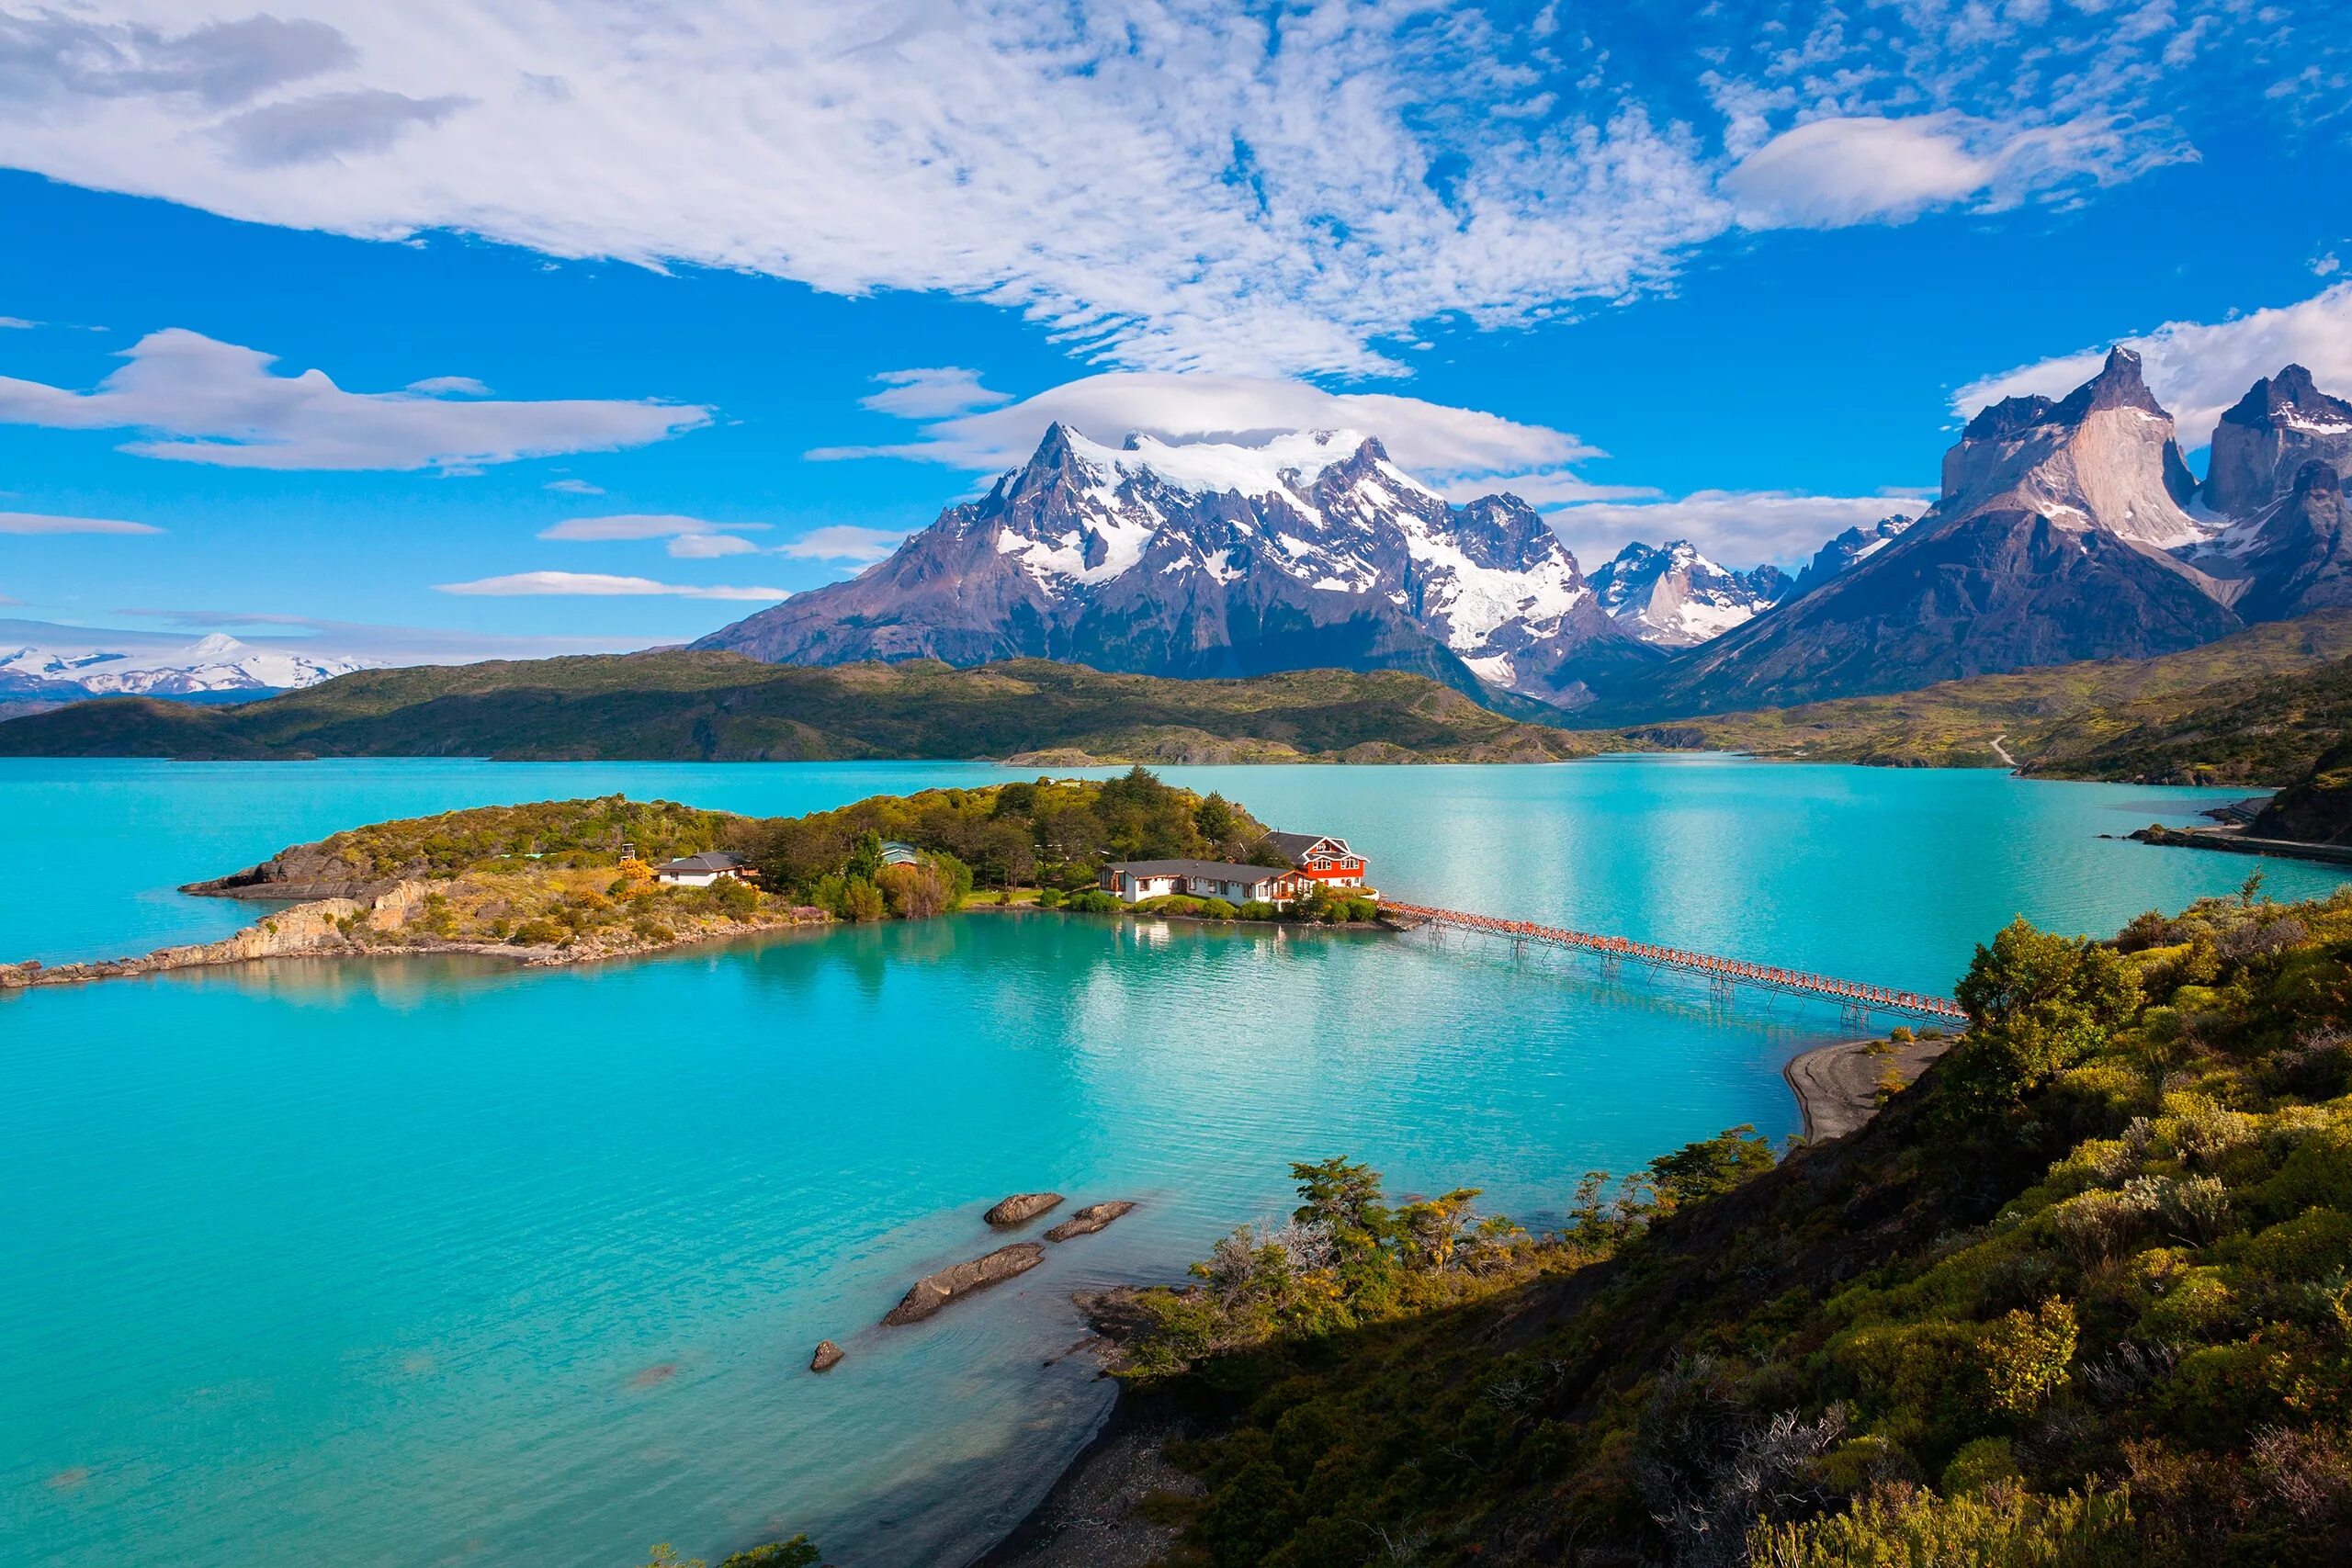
column 1858, row 1001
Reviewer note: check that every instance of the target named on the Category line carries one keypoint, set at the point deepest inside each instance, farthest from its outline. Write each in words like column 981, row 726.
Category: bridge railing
column 1881, row 997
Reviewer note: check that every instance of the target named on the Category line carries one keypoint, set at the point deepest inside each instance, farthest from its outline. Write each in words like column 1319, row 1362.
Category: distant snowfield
column 43, row 660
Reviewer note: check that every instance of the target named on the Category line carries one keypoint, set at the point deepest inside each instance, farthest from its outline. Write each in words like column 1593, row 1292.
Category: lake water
column 431, row 1262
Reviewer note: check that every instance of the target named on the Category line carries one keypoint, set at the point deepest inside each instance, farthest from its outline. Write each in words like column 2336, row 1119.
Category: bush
column 1091, row 902
column 2005, row 1526
column 915, row 892
column 2023, row 1356
column 539, row 931
column 1257, row 909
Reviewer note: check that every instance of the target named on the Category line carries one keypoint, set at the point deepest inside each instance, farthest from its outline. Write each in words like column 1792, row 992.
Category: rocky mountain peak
column 2119, row 384
column 1672, row 596
column 2263, row 444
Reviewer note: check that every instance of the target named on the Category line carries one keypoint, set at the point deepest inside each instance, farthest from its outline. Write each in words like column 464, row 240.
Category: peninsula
column 574, row 881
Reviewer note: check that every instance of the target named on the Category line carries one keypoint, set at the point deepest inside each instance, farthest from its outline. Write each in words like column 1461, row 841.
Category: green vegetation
column 2255, row 707
column 712, row 707
column 2082, row 1295
column 795, row 1553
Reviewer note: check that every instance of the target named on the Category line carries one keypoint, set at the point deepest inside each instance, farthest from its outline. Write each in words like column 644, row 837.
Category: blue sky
column 629, row 314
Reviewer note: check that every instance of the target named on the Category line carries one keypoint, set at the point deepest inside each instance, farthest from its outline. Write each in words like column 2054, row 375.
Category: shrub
column 915, row 892
column 2023, row 1356
column 1978, row 1465
column 1091, row 902
column 537, row 931
column 1256, row 910
column 2004, row 1527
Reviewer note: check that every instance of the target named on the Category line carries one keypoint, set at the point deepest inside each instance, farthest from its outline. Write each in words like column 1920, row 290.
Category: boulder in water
column 936, row 1290
column 827, row 1357
column 1021, row 1208
column 1089, row 1220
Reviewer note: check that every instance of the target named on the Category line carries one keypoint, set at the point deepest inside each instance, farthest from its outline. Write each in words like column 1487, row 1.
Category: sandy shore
column 1837, row 1086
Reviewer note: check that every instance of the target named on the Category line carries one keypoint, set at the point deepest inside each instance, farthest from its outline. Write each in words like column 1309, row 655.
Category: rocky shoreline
column 370, row 928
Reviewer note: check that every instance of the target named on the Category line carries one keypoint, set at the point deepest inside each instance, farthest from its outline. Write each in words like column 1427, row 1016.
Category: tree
column 1711, row 1167
column 864, row 856
column 2037, row 1003
column 1433, row 1226
column 1343, row 1198
column 1215, row 819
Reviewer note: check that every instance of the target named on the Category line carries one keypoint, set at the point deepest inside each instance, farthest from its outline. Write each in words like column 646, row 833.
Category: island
column 574, row 881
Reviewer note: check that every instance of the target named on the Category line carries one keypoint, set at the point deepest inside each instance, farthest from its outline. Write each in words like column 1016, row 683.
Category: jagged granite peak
column 2048, row 545
column 2263, row 442
column 2290, row 555
column 1841, row 553
column 1292, row 550
column 2102, row 458
column 1672, row 596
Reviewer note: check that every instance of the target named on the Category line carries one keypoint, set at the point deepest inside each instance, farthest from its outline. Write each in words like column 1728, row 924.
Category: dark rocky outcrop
column 2315, row 809
column 827, row 1356
column 1853, row 545
column 2297, row 557
column 1022, row 1207
column 936, row 1290
column 1089, row 1220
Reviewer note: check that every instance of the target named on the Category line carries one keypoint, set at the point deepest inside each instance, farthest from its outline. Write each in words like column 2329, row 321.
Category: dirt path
column 2002, row 751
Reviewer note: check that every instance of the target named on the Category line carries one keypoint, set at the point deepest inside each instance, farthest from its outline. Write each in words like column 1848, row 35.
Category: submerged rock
column 1089, row 1220
column 1022, row 1207
column 827, row 1357
column 936, row 1290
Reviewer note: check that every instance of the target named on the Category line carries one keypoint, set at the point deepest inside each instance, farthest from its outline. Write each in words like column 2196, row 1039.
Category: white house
column 1135, row 880
column 702, row 870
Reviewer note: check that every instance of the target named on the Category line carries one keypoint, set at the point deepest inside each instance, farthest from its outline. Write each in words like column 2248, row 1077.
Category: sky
column 466, row 329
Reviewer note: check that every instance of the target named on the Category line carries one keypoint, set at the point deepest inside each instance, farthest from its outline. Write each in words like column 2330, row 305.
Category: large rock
column 827, row 1357
column 1089, row 1220
column 1022, row 1207
column 936, row 1290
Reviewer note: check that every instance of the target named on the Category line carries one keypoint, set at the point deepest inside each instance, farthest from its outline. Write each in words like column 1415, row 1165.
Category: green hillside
column 2256, row 707
column 712, row 707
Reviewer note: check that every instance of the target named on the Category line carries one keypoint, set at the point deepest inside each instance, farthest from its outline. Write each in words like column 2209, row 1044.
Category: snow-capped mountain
column 1847, row 551
column 1672, row 596
column 2052, row 541
column 1304, row 550
column 102, row 663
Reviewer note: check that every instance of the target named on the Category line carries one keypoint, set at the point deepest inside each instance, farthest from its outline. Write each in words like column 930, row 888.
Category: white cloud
column 691, row 538
column 2198, row 369
column 1843, row 170
column 449, row 387
column 2322, row 266
column 206, row 402
column 18, row 322
column 573, row 487
column 1161, row 184
column 594, row 584
column 1171, row 184
column 842, row 542
column 1736, row 528
column 1431, row 440
column 39, row 522
column 932, row 393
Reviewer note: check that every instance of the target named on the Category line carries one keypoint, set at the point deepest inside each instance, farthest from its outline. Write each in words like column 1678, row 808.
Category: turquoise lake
column 422, row 1262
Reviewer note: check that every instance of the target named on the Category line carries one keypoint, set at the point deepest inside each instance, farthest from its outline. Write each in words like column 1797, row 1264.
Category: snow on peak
column 1282, row 464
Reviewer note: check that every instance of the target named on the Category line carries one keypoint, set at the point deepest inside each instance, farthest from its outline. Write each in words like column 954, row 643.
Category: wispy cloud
column 2198, row 368
column 327, row 638
column 41, row 523
column 574, row 487
column 208, row 402
column 17, row 322
column 1161, row 184
column 596, row 585
column 1431, row 440
column 690, row 538
column 1737, row 528
column 842, row 542
column 1843, row 170
column 932, row 393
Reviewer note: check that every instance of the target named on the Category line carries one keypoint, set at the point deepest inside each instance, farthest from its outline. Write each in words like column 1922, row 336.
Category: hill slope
column 715, row 706
column 2255, row 707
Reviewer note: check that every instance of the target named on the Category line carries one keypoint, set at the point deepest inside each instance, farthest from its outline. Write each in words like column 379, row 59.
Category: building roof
column 709, row 860
column 896, row 852
column 1295, row 845
column 1217, row 871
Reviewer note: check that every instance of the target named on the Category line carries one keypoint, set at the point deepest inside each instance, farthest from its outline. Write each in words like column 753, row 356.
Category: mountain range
column 43, row 665
column 2064, row 529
